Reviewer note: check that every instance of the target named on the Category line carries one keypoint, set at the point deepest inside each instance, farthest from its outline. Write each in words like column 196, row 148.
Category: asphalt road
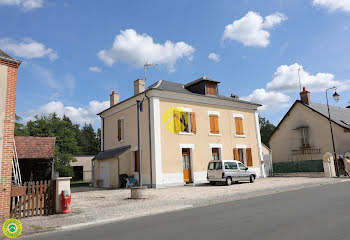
column 312, row 213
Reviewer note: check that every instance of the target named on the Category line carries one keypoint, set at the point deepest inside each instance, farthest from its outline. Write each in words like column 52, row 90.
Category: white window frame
column 188, row 112
column 215, row 145
column 238, row 115
column 217, row 114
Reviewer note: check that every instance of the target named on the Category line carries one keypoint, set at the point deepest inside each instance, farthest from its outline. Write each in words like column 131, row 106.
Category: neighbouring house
column 303, row 136
column 185, row 127
column 36, row 157
column 267, row 159
column 82, row 168
column 8, row 86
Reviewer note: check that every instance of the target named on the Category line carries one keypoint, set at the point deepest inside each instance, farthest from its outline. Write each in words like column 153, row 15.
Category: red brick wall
column 9, row 121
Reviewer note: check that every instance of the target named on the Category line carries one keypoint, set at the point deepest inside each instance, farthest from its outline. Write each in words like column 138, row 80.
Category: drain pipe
column 150, row 137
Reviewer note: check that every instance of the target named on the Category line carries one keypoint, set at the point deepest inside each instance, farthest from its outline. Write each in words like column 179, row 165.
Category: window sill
column 240, row 136
column 185, row 133
column 215, row 134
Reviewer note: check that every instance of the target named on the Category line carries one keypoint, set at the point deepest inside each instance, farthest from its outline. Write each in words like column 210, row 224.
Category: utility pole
column 139, row 109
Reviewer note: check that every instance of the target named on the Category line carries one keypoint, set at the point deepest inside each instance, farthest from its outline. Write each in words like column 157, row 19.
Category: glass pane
column 183, row 162
column 211, row 166
column 241, row 166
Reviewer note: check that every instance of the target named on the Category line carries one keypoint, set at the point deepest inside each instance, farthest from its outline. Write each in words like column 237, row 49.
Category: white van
column 228, row 171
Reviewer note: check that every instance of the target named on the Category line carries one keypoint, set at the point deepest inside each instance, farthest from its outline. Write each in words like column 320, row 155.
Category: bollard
column 138, row 192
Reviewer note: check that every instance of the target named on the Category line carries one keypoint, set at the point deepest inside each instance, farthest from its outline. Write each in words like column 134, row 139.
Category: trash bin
column 65, row 201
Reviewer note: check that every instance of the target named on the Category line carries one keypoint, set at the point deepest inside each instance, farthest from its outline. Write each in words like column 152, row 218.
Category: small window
column 214, row 124
column 215, row 154
column 121, row 129
column 231, row 166
column 184, row 122
column 239, row 126
column 241, row 166
column 214, row 166
column 304, row 136
column 136, row 161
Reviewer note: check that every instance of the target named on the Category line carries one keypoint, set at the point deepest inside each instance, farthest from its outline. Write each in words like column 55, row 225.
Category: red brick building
column 8, row 83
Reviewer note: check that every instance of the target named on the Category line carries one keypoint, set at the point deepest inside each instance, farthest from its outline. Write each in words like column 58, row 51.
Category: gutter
column 150, row 137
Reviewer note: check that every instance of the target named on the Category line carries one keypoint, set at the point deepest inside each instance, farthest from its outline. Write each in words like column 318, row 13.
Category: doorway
column 186, row 164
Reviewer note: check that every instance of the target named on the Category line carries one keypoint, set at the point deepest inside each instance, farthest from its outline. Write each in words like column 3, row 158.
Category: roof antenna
column 146, row 66
column 300, row 69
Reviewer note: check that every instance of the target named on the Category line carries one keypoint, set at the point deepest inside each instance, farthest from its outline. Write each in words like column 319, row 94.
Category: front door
column 104, row 173
column 186, row 164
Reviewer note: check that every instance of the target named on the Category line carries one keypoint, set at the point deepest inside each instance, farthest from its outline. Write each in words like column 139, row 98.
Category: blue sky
column 75, row 53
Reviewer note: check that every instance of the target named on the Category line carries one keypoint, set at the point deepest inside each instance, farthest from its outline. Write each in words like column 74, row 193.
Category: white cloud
column 25, row 5
column 95, row 69
column 135, row 49
column 285, row 79
column 333, row 5
column 251, row 30
column 269, row 99
column 28, row 48
column 78, row 115
column 215, row 57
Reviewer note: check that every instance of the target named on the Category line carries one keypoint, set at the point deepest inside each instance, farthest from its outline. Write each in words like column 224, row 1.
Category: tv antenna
column 300, row 69
column 146, row 66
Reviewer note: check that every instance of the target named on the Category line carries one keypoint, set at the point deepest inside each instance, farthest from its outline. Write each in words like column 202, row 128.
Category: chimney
column 305, row 96
column 139, row 86
column 234, row 96
column 114, row 98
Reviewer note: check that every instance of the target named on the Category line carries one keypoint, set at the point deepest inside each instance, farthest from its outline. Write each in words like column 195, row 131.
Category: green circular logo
column 12, row 228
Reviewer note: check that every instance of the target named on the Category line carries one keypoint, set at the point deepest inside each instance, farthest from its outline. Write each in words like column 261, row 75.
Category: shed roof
column 111, row 153
column 35, row 147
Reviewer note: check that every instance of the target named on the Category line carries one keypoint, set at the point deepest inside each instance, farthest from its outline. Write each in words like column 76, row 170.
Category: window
column 238, row 154
column 214, row 166
column 211, row 88
column 214, row 124
column 185, row 122
column 136, row 161
column 241, row 166
column 231, row 165
column 239, row 125
column 304, row 136
column 121, row 129
column 215, row 154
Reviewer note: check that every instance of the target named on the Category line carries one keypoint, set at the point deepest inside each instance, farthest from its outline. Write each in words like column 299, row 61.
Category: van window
column 231, row 165
column 241, row 166
column 214, row 166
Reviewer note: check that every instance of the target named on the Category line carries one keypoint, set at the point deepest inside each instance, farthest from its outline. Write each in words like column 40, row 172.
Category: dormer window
column 204, row 86
column 211, row 88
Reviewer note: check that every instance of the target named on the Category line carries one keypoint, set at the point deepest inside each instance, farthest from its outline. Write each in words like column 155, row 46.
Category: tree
column 88, row 140
column 20, row 129
column 66, row 142
column 266, row 128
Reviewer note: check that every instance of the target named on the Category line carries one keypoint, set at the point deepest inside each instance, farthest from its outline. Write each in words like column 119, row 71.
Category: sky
column 75, row 53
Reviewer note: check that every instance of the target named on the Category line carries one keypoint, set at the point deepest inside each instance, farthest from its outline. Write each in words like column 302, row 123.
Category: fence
column 32, row 199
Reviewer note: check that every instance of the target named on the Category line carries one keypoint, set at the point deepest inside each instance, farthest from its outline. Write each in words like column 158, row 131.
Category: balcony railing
column 306, row 151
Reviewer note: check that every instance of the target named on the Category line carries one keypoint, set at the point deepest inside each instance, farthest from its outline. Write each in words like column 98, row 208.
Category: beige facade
column 166, row 145
column 286, row 142
column 86, row 164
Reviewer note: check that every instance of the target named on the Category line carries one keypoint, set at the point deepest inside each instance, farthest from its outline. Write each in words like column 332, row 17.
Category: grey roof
column 178, row 87
column 339, row 115
column 204, row 78
column 110, row 153
column 7, row 57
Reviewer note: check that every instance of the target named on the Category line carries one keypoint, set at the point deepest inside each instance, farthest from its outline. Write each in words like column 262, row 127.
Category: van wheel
column 212, row 183
column 252, row 178
column 228, row 181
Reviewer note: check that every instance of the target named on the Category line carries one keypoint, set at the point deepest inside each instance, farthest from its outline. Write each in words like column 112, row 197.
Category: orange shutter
column 249, row 157
column 119, row 129
column 235, row 154
column 212, row 123
column 216, row 122
column 193, row 122
column 177, row 123
column 239, row 126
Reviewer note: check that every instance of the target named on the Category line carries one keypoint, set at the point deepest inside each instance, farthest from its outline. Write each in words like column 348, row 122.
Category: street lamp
column 336, row 98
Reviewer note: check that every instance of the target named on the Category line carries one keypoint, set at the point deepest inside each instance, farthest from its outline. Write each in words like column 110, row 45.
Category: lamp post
column 139, row 107
column 336, row 98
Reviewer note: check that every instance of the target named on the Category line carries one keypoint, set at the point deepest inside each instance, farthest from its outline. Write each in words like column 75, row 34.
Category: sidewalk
column 90, row 206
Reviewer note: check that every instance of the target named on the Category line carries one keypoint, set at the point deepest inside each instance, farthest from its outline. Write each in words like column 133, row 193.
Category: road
column 320, row 213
